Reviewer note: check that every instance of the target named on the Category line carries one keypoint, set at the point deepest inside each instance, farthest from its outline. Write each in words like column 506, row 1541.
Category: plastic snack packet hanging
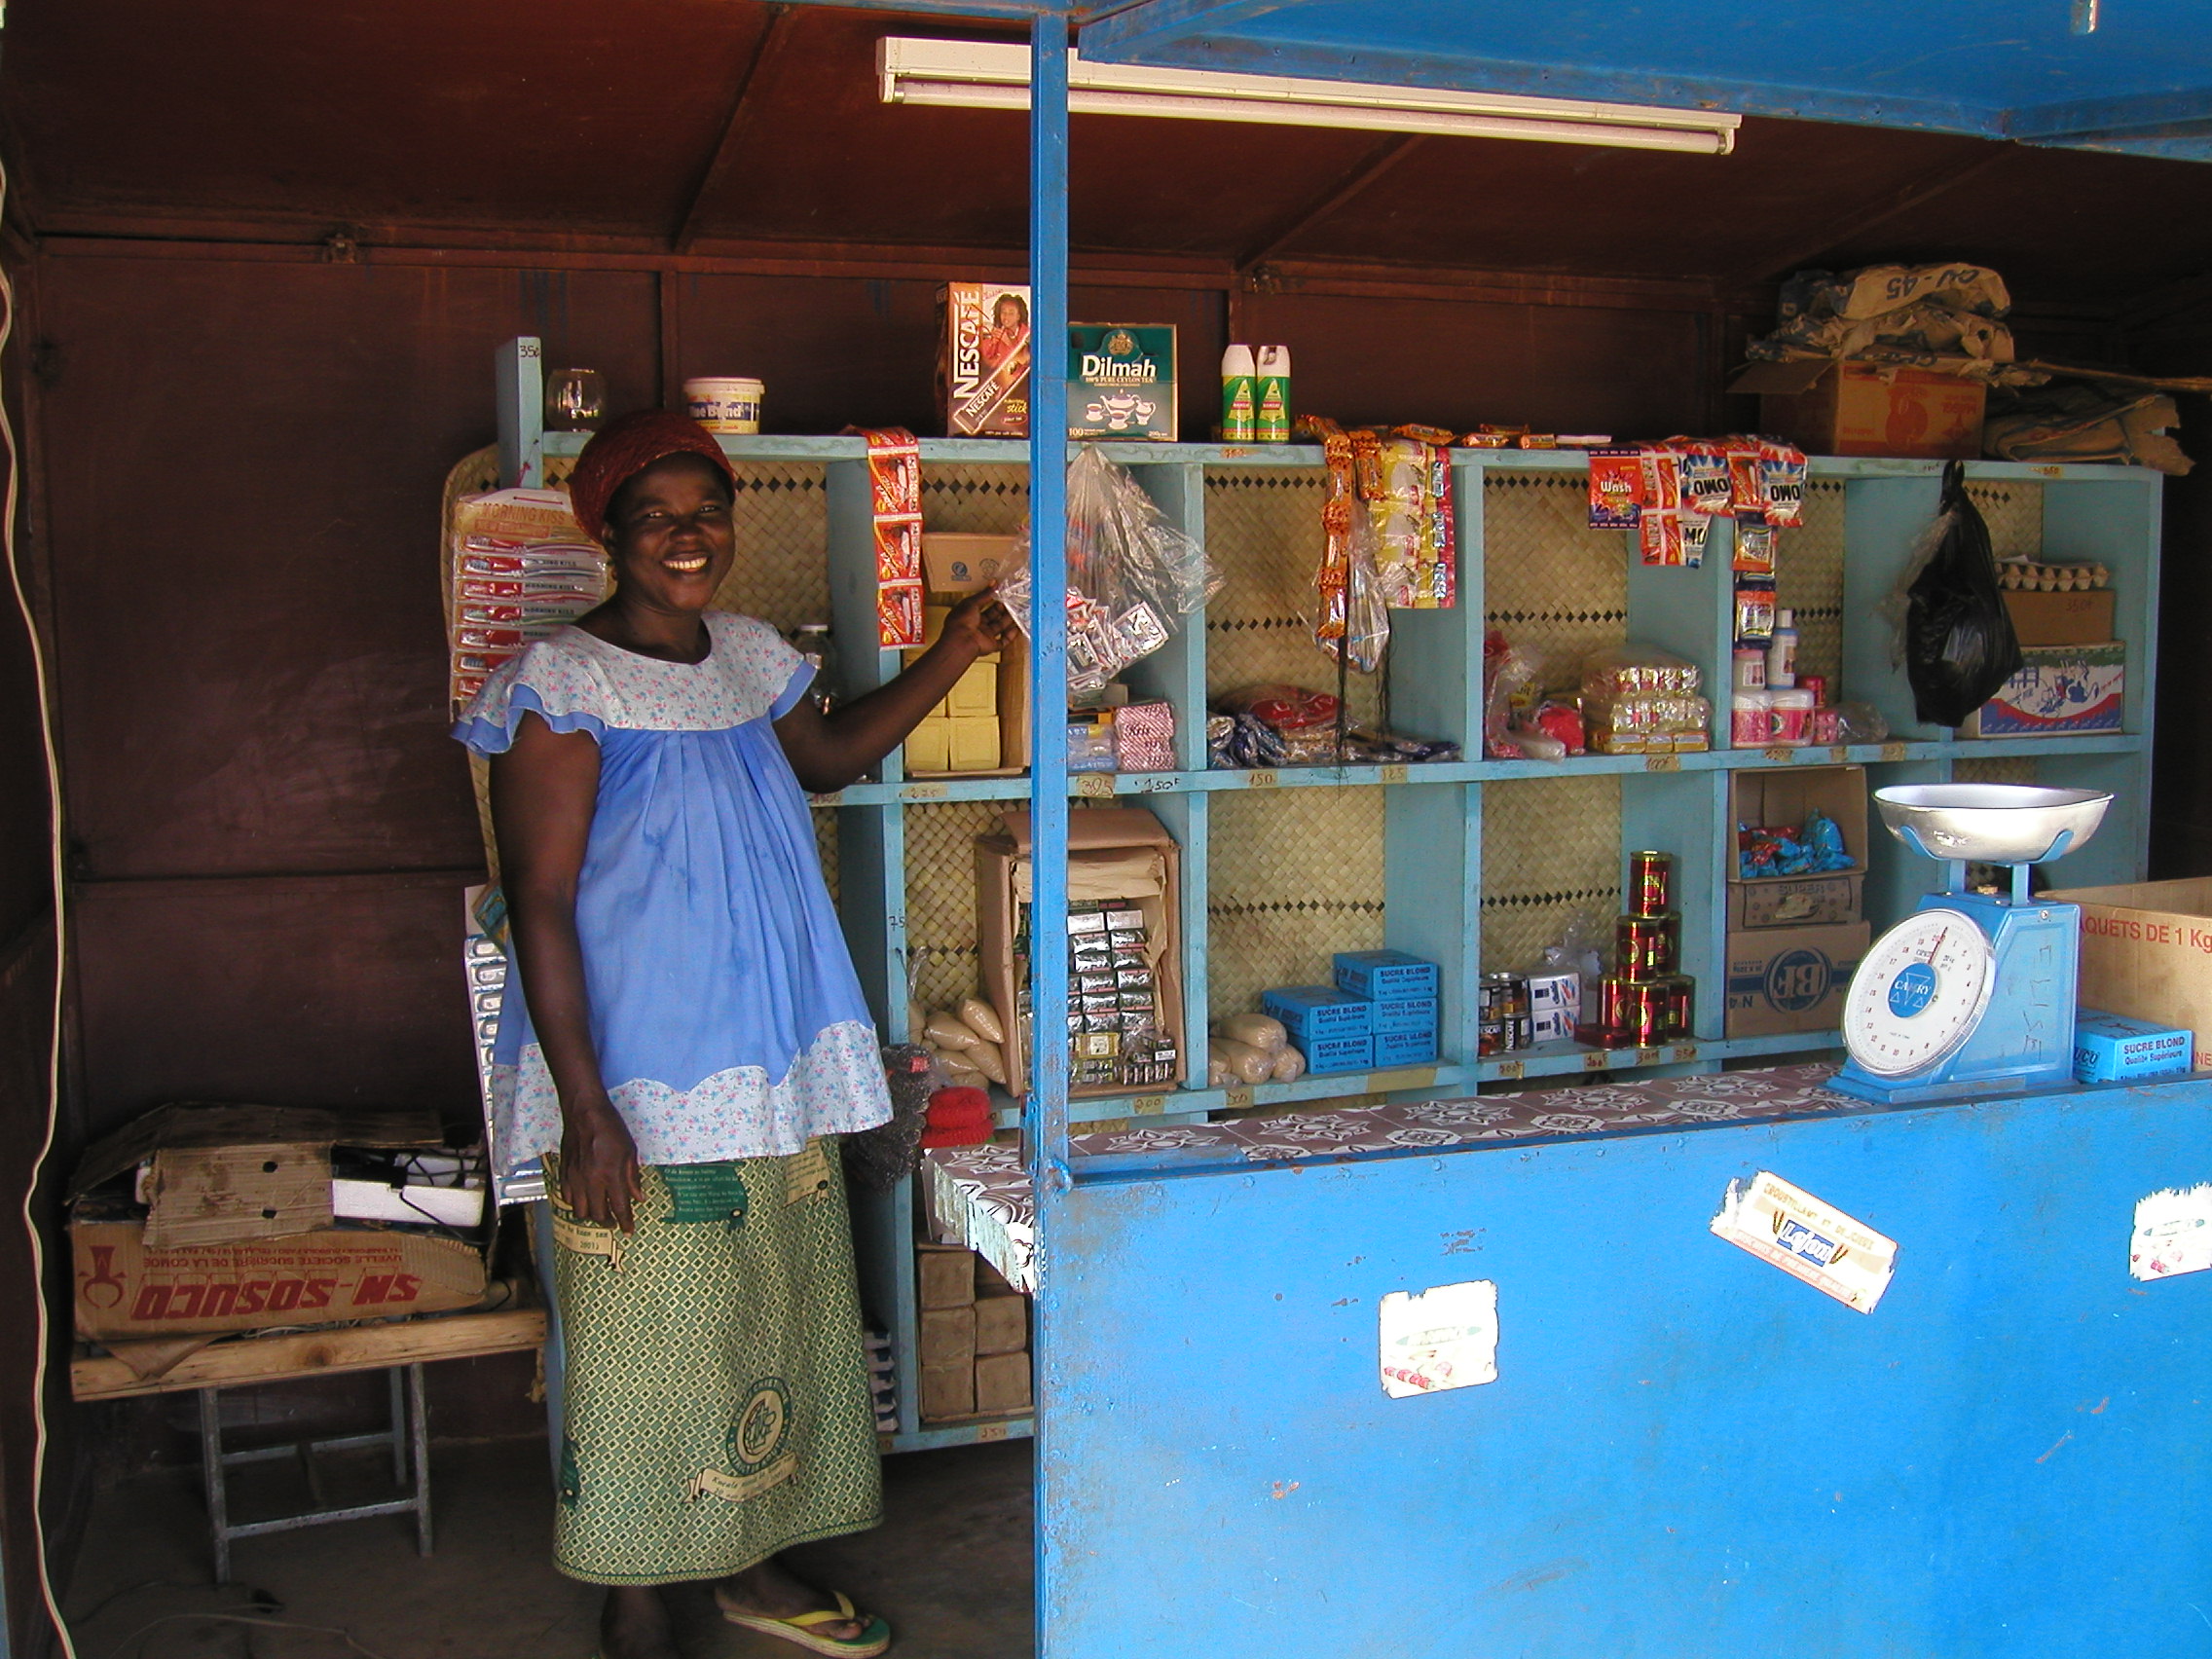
column 1131, row 575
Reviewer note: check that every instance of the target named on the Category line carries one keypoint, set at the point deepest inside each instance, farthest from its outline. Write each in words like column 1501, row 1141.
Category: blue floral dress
column 724, row 1008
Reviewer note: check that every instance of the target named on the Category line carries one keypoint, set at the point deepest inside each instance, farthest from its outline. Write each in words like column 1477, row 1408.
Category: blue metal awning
column 2127, row 75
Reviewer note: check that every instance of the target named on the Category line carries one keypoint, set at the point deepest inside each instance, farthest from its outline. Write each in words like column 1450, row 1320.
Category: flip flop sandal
column 871, row 1641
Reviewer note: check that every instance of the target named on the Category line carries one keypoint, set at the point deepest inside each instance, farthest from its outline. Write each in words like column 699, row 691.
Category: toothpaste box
column 2110, row 1048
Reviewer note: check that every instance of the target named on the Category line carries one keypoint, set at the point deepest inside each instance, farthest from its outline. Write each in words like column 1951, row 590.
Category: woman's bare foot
column 769, row 1591
column 634, row 1624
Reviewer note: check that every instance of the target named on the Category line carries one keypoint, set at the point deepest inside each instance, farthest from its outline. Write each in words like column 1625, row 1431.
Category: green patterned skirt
column 716, row 1404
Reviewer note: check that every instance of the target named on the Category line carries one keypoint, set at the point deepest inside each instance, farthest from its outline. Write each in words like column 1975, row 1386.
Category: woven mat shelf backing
column 973, row 500
column 2002, row 769
column 1264, row 533
column 940, row 896
column 1808, row 577
column 1551, row 583
column 1293, row 877
column 1551, row 850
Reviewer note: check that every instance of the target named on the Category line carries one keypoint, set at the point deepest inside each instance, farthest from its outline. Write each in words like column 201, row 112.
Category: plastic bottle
column 1782, row 652
column 1240, row 396
column 1273, row 418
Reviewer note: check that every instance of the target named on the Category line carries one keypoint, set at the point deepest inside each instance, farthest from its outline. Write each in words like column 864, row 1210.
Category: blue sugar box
column 1386, row 976
column 2110, row 1048
column 1339, row 1053
column 1315, row 1011
column 1399, row 1018
column 1405, row 1048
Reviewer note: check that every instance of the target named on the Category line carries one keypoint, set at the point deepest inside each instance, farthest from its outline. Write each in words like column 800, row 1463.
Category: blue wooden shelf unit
column 1426, row 843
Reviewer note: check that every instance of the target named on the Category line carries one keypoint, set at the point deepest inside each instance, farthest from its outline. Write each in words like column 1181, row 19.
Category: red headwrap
column 625, row 447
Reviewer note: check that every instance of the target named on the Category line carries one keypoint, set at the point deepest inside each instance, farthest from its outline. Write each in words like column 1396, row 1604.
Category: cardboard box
column 1786, row 796
column 1830, row 407
column 2061, row 618
column 1100, row 844
column 1398, row 1018
column 2147, row 955
column 1122, row 381
column 1404, row 1048
column 1008, row 671
column 1337, row 1053
column 1791, row 978
column 236, row 1233
column 2060, row 690
column 1312, row 1013
column 2110, row 1048
column 955, row 563
column 983, row 359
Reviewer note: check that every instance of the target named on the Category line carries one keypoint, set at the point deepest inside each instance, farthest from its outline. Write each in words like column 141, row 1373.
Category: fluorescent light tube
column 995, row 75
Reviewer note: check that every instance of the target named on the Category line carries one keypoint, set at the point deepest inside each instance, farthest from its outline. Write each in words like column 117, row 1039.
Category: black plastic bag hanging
column 1959, row 644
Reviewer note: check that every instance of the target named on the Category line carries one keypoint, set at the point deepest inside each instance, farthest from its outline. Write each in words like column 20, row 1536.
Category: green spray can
column 1272, row 422
column 1240, row 396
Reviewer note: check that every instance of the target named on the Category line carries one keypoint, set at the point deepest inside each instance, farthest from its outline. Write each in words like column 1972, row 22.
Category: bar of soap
column 973, row 743
column 929, row 746
column 976, row 694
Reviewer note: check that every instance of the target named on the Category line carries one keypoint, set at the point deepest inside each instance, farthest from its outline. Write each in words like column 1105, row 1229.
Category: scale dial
column 1919, row 994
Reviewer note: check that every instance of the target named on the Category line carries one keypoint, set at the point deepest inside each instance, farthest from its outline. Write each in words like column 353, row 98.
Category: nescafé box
column 1122, row 381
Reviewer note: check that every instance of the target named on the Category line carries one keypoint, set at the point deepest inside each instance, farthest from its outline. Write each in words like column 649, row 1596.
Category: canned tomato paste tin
column 1650, row 883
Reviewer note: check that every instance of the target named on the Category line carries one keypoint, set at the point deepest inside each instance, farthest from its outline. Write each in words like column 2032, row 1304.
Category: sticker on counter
column 1434, row 1339
column 2174, row 1234
column 1808, row 1240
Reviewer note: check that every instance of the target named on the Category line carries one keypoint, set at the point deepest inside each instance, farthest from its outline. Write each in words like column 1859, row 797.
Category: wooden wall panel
column 243, row 463
column 1641, row 373
column 287, row 993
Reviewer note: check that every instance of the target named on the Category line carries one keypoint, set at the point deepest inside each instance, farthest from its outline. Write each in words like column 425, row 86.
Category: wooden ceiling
column 708, row 127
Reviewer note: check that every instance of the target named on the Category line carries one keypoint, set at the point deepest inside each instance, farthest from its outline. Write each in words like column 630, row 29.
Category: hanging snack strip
column 1670, row 493
column 1332, row 580
column 1407, row 484
column 895, row 498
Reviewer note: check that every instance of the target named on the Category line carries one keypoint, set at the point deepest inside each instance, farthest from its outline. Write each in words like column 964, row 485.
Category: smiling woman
column 692, row 1030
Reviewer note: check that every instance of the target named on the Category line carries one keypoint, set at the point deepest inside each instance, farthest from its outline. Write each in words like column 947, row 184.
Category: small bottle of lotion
column 1782, row 650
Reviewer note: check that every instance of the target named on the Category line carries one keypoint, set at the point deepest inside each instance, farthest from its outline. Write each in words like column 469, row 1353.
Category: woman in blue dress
column 690, row 1029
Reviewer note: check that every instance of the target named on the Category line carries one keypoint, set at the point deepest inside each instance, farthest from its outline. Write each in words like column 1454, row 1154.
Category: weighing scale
column 1973, row 988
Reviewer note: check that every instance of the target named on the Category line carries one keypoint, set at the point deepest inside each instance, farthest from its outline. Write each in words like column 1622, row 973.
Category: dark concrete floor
column 950, row 1567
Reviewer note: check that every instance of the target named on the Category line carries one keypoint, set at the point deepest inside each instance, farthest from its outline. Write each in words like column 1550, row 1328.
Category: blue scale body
column 2025, row 1036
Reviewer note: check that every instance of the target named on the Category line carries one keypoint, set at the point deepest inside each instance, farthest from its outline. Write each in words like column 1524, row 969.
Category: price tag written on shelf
column 1781, row 755
column 1394, row 774
column 1098, row 786
column 833, row 799
column 1893, row 752
column 1510, row 1069
column 1594, row 1060
column 1685, row 1051
column 1646, row 1057
column 924, row 791
column 1662, row 762
column 1148, row 1107
column 1261, row 780
column 986, row 1433
column 1156, row 782
column 1235, row 1099
column 1839, row 754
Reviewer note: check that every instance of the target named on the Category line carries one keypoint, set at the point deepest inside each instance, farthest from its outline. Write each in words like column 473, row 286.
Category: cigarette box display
column 1383, row 976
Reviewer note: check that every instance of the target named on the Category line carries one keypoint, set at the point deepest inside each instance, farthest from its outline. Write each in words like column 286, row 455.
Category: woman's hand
column 598, row 1165
column 978, row 625
column 827, row 751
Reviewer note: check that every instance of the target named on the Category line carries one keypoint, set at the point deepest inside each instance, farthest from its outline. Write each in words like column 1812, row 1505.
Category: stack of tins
column 1644, row 1000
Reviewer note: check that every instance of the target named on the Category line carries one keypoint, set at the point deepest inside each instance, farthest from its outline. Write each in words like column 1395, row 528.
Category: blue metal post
column 1045, row 1113
column 1045, row 1117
